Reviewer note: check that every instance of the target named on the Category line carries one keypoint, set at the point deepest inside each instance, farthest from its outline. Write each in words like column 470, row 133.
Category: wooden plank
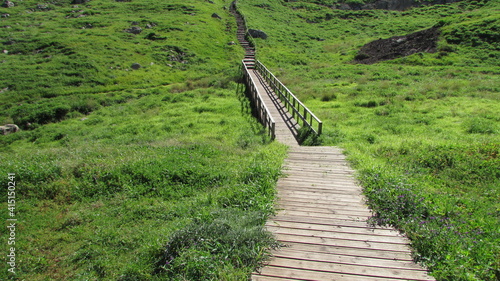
column 345, row 251
column 321, row 188
column 344, row 229
column 345, row 259
column 337, row 235
column 345, row 217
column 322, row 150
column 301, row 274
column 322, row 194
column 359, row 205
column 326, row 210
column 283, row 203
column 272, row 278
column 326, row 221
column 322, row 179
column 363, row 271
column 369, row 245
column 341, row 167
column 324, row 197
column 341, row 191
column 338, row 171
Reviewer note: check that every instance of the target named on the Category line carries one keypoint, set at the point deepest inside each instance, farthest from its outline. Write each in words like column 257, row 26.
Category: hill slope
column 127, row 172
column 132, row 145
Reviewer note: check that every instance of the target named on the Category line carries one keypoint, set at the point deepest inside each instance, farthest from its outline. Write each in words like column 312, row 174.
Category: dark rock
column 9, row 128
column 397, row 5
column 5, row 15
column 8, row 4
column 77, row 2
column 136, row 66
column 399, row 46
column 255, row 33
column 231, row 43
column 134, row 30
column 43, row 7
column 215, row 15
column 154, row 37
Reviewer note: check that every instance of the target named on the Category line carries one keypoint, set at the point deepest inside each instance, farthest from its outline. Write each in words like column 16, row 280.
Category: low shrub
column 230, row 239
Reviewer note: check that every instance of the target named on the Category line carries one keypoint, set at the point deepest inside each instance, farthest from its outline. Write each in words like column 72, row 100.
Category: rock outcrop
column 399, row 46
column 255, row 33
column 9, row 128
column 398, row 5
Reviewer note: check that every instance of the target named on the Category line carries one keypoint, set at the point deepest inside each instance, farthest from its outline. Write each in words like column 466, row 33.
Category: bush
column 231, row 237
column 306, row 136
column 39, row 113
column 480, row 125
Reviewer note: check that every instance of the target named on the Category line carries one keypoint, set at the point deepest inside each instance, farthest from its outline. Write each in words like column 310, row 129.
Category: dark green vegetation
column 155, row 173
column 423, row 131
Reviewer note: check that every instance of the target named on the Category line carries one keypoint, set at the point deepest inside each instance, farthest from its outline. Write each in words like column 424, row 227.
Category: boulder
column 77, row 2
column 8, row 128
column 8, row 4
column 136, row 66
column 255, row 33
column 43, row 7
column 216, row 16
column 134, row 30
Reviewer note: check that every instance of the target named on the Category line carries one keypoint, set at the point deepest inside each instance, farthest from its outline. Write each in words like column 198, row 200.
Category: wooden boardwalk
column 322, row 223
column 322, row 217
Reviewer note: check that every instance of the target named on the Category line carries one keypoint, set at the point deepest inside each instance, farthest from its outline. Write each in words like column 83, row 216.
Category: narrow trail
column 322, row 217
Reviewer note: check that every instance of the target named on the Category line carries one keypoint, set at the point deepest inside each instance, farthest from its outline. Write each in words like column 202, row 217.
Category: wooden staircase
column 241, row 34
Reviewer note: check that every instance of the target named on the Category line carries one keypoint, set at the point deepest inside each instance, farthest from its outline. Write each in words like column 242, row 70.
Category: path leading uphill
column 322, row 217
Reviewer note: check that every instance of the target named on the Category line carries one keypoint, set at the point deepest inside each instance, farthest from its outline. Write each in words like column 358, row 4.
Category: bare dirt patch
column 399, row 46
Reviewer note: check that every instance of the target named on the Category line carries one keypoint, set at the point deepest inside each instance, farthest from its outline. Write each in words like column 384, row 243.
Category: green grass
column 113, row 165
column 160, row 172
column 422, row 131
column 99, row 198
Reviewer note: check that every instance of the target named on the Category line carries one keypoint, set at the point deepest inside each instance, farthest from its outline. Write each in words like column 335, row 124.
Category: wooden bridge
column 322, row 217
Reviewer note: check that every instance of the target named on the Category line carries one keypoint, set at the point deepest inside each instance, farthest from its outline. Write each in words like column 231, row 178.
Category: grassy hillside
column 159, row 172
column 154, row 173
column 423, row 131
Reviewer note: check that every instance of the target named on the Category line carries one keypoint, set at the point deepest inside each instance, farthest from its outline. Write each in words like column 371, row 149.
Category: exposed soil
column 399, row 46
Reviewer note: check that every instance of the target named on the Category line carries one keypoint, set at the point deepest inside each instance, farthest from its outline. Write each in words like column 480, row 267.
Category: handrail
column 263, row 113
column 292, row 103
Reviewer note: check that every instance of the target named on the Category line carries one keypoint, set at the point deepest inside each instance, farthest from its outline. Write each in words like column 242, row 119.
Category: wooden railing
column 261, row 111
column 298, row 110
